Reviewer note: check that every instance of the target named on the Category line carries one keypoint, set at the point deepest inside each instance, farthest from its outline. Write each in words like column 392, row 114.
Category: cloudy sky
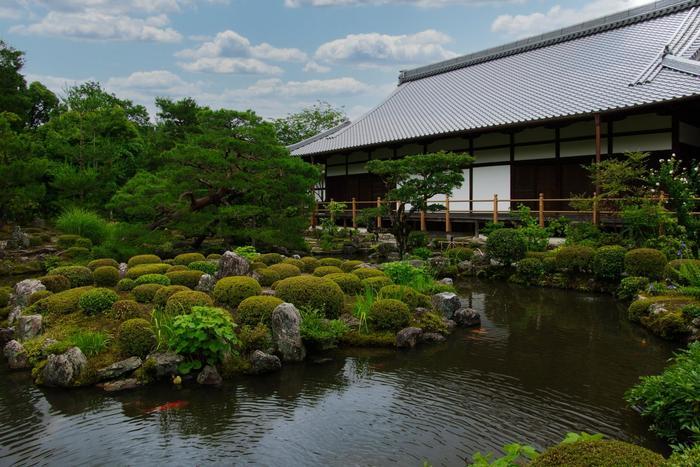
column 274, row 56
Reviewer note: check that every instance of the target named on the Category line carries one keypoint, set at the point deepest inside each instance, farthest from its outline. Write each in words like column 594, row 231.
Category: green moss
column 645, row 262
column 179, row 267
column 66, row 241
column 97, row 263
column 143, row 269
column 349, row 283
column 257, row 309
column 5, row 293
column 372, row 339
column 330, row 262
column 294, row 262
column 234, row 365
column 206, row 267
column 376, row 283
column 136, row 338
column 285, row 270
column 326, row 270
column 366, row 273
column 75, row 253
column 153, row 279
column 389, row 315
column 126, row 309
column 213, row 257
column 639, row 308
column 143, row 259
column 187, row 258
column 162, row 295
column 97, row 300
column 55, row 282
column 182, row 302
column 431, row 322
column 144, row 293
column 404, row 294
column 61, row 303
column 349, row 265
column 671, row 324
column 270, row 258
column 310, row 263
column 106, row 276
column 78, row 276
column 231, row 291
column 39, row 295
column 255, row 266
column 313, row 292
column 598, row 453
column 189, row 278
column 266, row 276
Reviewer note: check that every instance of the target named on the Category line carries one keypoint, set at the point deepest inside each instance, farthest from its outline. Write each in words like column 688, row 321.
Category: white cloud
column 57, row 84
column 379, row 50
column 558, row 17
column 10, row 12
column 150, row 83
column 419, row 3
column 315, row 67
column 314, row 87
column 248, row 66
column 131, row 7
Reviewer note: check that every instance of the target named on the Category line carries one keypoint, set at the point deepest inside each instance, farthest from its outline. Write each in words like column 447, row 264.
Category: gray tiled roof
column 643, row 56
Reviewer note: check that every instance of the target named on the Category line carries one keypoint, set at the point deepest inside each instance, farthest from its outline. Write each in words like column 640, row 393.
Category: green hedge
column 645, row 262
column 97, row 301
column 78, row 276
column 506, row 246
column 601, row 453
column 136, row 338
column 313, row 292
column 257, row 309
column 231, row 291
column 609, row 263
column 143, row 259
column 183, row 302
column 389, row 315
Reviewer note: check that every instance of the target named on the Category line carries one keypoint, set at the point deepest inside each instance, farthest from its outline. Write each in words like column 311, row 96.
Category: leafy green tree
column 413, row 181
column 42, row 104
column 228, row 177
column 13, row 86
column 308, row 122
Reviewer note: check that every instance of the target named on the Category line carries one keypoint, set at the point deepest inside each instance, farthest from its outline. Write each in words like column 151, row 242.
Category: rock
column 417, row 263
column 232, row 264
column 451, row 325
column 393, row 257
column 467, row 317
column 446, row 303
column 16, row 356
column 6, row 335
column 439, row 264
column 120, row 385
column 464, row 266
column 696, row 322
column 431, row 338
column 63, row 370
column 162, row 364
column 28, row 326
column 262, row 362
column 23, row 290
column 209, row 376
column 296, row 257
column 556, row 242
column 115, row 370
column 206, row 283
column 350, row 320
column 407, row 338
column 15, row 312
column 19, row 239
column 386, row 238
column 268, row 292
column 286, row 333
column 123, row 268
column 446, row 281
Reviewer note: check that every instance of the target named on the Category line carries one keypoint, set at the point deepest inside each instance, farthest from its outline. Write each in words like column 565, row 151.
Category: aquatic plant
column 318, row 331
column 363, row 305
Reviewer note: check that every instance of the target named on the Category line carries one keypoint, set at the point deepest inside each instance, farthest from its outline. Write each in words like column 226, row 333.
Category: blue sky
column 273, row 56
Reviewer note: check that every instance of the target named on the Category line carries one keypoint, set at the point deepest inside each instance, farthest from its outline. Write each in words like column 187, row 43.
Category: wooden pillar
column 595, row 208
column 379, row 212
column 448, row 223
column 541, row 209
column 354, row 213
column 495, row 208
column 598, row 147
column 423, row 223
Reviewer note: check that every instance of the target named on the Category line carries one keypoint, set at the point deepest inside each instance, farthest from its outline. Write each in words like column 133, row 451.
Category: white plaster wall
column 654, row 142
column 538, row 151
column 458, row 197
column 489, row 181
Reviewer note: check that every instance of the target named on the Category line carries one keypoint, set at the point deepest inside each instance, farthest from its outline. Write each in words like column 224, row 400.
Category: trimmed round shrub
column 376, row 283
column 125, row 309
column 389, row 315
column 67, row 240
column 639, row 308
column 78, row 276
column 152, row 279
column 310, row 263
column 179, row 267
column 213, row 257
column 285, row 270
column 83, row 243
column 325, row 270
column 350, row 264
column 645, row 262
column 431, row 322
column 182, row 302
column 506, row 246
column 598, row 453
column 136, row 338
column 672, row 271
column 256, row 266
column 75, row 252
column 330, row 262
column 231, row 291
column 459, row 254
column 106, row 276
column 349, row 283
column 189, row 278
column 98, row 263
column 187, row 258
column 266, row 276
column 33, row 298
column 144, row 293
column 143, row 269
column 295, row 262
column 313, row 292
column 530, row 269
column 404, row 294
column 631, row 286
column 126, row 285
column 269, row 258
column 5, row 293
column 257, row 309
column 609, row 263
column 685, row 457
column 207, row 267
column 143, row 259
column 96, row 301
column 55, row 282
column 162, row 295
column 366, row 273
column 575, row 258
column 61, row 303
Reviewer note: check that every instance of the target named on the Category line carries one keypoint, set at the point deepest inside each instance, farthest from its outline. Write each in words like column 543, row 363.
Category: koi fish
column 176, row 405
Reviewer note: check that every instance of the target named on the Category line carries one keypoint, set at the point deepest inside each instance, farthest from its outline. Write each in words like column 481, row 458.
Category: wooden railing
column 496, row 209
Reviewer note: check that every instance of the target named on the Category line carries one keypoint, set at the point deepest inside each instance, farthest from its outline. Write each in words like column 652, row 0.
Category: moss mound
column 310, row 263
column 187, row 258
column 126, row 285
column 231, row 291
column 366, row 273
column 98, row 263
column 61, row 303
column 189, row 278
column 376, row 283
column 106, row 276
column 55, row 282
column 78, row 276
column 143, row 259
column 325, row 270
column 144, row 293
column 598, row 453
column 349, row 283
column 404, row 294
column 330, row 262
column 163, row 294
column 152, row 279
column 270, row 258
column 294, row 262
column 179, row 267
column 97, row 301
column 349, row 265
column 575, row 258
column 35, row 297
column 313, row 292
column 645, row 262
column 266, row 276
column 389, row 315
column 258, row 309
column 136, row 338
column 285, row 270
column 126, row 309
column 143, row 269
column 181, row 303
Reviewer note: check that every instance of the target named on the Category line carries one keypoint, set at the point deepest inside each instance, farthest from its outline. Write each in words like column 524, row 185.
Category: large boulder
column 63, row 370
column 123, row 268
column 407, row 338
column 446, row 303
column 262, row 362
column 209, row 376
column 16, row 356
column 28, row 326
column 206, row 283
column 467, row 317
column 431, row 338
column 162, row 364
column 286, row 333
column 20, row 297
column 6, row 335
column 232, row 264
column 120, row 385
column 115, row 370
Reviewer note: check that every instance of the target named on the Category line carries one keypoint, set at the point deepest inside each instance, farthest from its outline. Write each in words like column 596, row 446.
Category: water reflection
column 544, row 362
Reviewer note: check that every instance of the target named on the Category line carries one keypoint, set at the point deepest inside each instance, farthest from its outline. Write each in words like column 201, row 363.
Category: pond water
column 543, row 363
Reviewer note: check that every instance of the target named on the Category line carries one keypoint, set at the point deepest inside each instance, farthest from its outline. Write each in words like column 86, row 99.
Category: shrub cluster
column 163, row 294
column 389, row 315
column 35, row 297
column 61, row 303
column 144, row 293
column 189, row 278
column 631, row 286
column 270, row 258
column 330, row 262
column 266, row 276
column 575, row 258
column 257, row 309
column 310, row 263
column 375, row 283
column 672, row 271
column 530, row 269
column 349, row 283
column 231, row 291
column 187, row 258
column 97, row 301
column 312, row 292
column 366, row 273
column 182, row 302
column 325, row 270
column 97, row 263
column 136, row 338
column 459, row 254
column 285, row 270
column 106, row 276
column 599, row 453
column 152, row 279
column 506, row 246
column 78, row 276
column 645, row 262
column 126, row 285
column 609, row 263
column 405, row 294
column 143, row 269
column 55, row 282
column 207, row 267
column 125, row 309
column 143, row 259
column 295, row 262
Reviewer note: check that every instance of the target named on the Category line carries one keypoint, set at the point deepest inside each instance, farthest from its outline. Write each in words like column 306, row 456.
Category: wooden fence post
column 662, row 202
column 354, row 213
column 448, row 223
column 379, row 212
column 423, row 224
column 541, row 209
column 595, row 208
column 495, row 208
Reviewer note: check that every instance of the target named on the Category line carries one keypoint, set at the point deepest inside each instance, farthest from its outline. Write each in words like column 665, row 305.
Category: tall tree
column 413, row 181
column 13, row 87
column 308, row 122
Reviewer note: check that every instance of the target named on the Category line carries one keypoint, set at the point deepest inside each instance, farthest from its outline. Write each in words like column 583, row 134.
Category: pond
column 543, row 363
